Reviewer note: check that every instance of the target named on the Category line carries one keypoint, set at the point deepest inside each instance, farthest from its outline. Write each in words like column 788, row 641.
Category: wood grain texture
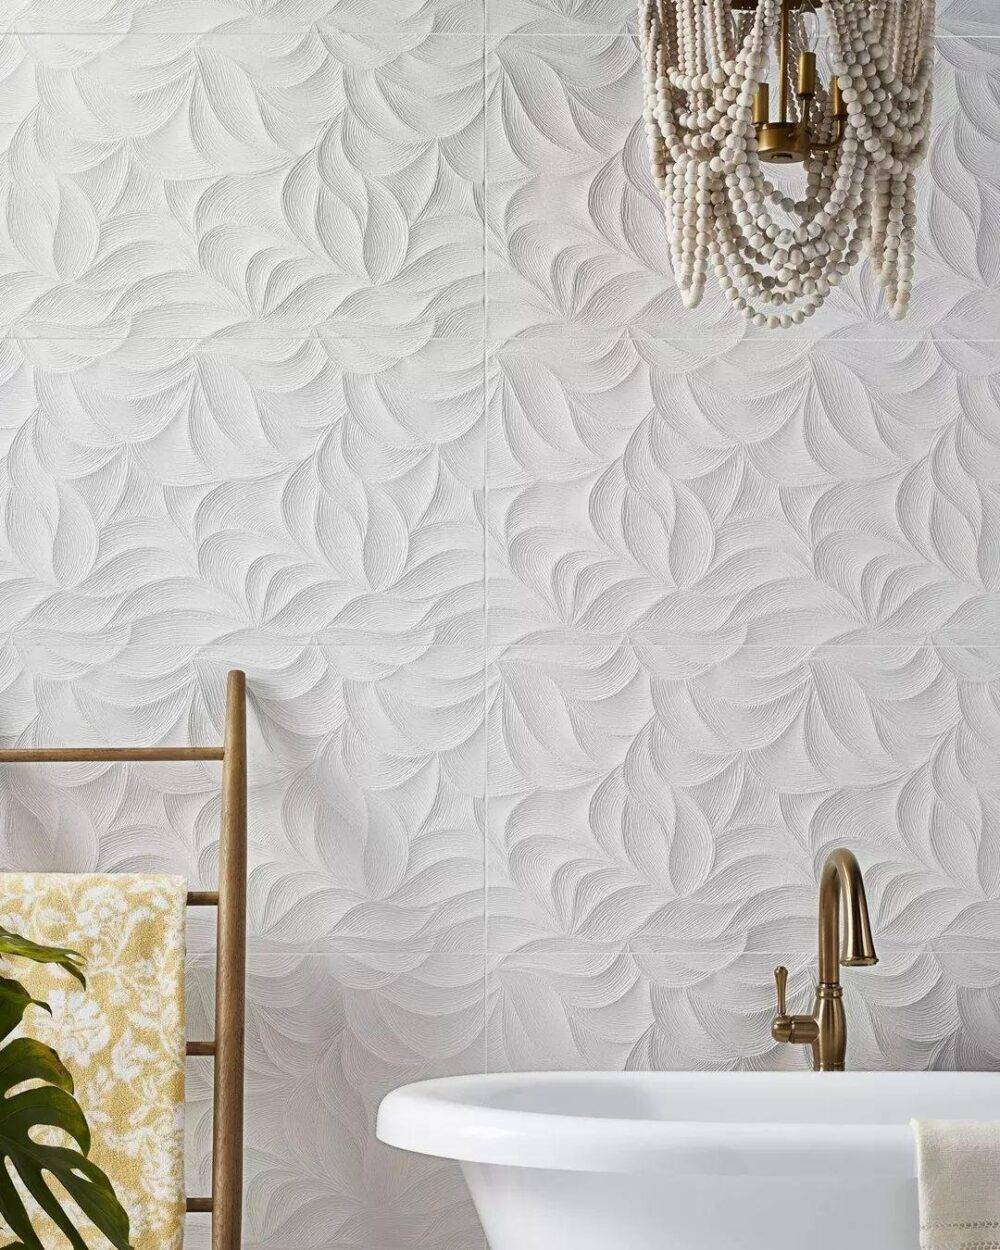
column 230, row 982
column 109, row 755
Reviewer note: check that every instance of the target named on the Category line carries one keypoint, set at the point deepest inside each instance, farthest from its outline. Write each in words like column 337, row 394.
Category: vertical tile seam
column 486, row 545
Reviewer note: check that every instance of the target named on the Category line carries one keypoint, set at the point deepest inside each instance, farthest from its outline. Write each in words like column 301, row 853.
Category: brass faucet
column 825, row 1030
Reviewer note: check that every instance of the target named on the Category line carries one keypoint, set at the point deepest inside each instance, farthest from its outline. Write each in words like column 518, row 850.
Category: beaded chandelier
column 708, row 112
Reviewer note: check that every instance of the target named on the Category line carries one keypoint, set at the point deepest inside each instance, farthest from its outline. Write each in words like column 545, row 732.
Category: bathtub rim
column 440, row 1117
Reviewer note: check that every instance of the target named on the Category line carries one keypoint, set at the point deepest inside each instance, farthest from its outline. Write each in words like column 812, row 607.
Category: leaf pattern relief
column 344, row 349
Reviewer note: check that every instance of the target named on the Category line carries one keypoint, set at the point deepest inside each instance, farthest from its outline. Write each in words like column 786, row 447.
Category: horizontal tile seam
column 276, row 26
column 556, row 945
column 570, row 650
column 375, row 648
column 249, row 22
column 526, row 337
column 586, row 337
column 472, row 34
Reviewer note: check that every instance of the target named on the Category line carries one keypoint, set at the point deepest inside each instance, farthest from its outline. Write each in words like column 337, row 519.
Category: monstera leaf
column 23, row 948
column 50, row 1103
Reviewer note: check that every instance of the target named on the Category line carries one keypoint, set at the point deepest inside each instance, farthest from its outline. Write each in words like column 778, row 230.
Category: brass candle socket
column 837, row 106
column 806, row 86
column 762, row 105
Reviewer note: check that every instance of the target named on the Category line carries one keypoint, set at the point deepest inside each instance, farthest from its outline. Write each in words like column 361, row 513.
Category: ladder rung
column 203, row 898
column 199, row 1204
column 106, row 755
column 201, row 1048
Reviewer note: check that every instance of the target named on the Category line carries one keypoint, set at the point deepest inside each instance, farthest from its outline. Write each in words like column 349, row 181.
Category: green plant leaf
column 23, row 948
column 51, row 1103
column 14, row 1001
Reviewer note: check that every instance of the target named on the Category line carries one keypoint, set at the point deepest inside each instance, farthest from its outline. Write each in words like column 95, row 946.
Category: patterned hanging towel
column 122, row 1038
column 958, row 1172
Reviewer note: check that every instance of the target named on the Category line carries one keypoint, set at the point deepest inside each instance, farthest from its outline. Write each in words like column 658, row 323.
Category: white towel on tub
column 958, row 1171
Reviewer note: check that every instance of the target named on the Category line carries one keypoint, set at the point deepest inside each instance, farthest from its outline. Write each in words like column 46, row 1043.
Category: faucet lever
column 781, row 985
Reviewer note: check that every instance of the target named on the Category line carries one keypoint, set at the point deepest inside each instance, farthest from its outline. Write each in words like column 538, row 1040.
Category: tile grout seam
column 618, row 32
column 529, row 336
column 485, row 536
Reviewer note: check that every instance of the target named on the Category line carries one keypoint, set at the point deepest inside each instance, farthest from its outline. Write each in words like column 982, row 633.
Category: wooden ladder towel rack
column 226, row 1201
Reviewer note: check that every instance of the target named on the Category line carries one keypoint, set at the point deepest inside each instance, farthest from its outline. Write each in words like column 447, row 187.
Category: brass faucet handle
column 801, row 1030
column 781, row 985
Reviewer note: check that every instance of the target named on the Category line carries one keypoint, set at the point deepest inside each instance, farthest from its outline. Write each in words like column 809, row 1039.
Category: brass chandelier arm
column 783, row 141
column 839, row 114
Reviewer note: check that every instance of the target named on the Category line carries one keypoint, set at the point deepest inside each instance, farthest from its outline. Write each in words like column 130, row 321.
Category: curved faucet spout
column 842, row 890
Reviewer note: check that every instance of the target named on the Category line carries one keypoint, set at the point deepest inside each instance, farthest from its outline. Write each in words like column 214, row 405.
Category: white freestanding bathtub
column 687, row 1161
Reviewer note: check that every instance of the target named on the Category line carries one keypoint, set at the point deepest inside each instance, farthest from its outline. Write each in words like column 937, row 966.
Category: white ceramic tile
column 580, row 17
column 727, row 492
column 979, row 17
column 567, row 17
column 184, row 184
column 179, row 489
column 372, row 832
column 674, row 798
column 358, row 20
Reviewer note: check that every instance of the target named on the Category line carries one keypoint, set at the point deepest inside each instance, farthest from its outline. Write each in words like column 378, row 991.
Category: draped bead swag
column 776, row 257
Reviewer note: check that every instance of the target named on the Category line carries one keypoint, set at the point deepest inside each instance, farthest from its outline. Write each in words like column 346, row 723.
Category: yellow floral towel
column 122, row 1038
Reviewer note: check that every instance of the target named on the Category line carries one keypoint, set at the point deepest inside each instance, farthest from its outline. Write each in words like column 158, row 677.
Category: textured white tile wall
column 339, row 344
